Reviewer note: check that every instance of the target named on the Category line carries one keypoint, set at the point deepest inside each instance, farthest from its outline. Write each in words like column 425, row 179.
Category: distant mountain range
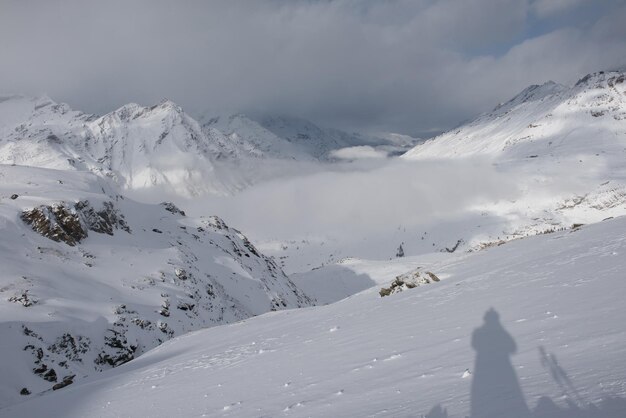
column 143, row 147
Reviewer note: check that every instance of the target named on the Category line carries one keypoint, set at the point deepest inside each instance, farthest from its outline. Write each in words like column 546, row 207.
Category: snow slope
column 554, row 347
column 91, row 279
column 548, row 121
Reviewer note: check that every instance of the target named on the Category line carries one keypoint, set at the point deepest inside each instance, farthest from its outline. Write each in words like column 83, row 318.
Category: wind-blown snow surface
column 112, row 278
column 557, row 349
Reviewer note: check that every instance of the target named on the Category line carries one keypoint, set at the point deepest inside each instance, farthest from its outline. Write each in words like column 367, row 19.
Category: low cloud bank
column 361, row 199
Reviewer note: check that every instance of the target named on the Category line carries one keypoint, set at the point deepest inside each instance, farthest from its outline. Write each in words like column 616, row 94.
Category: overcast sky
column 411, row 66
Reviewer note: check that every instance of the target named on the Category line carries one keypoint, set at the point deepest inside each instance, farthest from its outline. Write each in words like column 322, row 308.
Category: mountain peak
column 600, row 78
column 532, row 122
column 533, row 93
column 166, row 103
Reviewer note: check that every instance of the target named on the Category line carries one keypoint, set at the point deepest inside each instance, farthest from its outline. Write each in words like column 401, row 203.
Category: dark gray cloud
column 403, row 65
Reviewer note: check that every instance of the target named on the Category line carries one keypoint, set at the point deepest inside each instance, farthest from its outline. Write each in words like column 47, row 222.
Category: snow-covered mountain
column 293, row 138
column 531, row 329
column 91, row 279
column 562, row 148
column 136, row 146
column 546, row 121
column 161, row 146
column 39, row 132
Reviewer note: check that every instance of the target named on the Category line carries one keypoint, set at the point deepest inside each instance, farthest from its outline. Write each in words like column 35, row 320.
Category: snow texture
column 530, row 328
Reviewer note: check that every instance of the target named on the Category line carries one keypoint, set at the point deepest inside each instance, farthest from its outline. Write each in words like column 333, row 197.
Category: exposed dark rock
column 45, row 373
column 70, row 224
column 14, row 196
column 408, row 280
column 67, row 380
column 181, row 274
column 103, row 221
column 158, row 231
column 24, row 299
column 400, row 251
column 71, row 347
column 54, row 138
column 24, row 392
column 56, row 222
column 50, row 375
column 249, row 246
column 41, row 369
column 216, row 222
column 165, row 329
column 456, row 246
column 165, row 309
column 142, row 323
column 123, row 352
column 172, row 208
column 185, row 306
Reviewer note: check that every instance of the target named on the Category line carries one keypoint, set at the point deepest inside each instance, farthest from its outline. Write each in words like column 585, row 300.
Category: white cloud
column 397, row 65
column 364, row 199
column 358, row 153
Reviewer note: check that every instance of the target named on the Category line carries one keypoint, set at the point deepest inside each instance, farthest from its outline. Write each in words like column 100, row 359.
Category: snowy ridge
column 40, row 132
column 139, row 147
column 542, row 121
column 161, row 146
column 297, row 139
column 92, row 279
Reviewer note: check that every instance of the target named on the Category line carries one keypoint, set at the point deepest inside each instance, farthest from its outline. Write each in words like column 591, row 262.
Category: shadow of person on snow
column 496, row 392
column 437, row 412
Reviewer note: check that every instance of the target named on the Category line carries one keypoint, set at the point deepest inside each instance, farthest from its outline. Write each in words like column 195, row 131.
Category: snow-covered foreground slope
column 91, row 279
column 534, row 327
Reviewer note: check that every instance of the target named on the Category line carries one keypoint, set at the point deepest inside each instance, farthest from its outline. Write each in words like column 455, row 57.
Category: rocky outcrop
column 57, row 222
column 409, row 280
column 63, row 222
column 103, row 221
column 172, row 208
